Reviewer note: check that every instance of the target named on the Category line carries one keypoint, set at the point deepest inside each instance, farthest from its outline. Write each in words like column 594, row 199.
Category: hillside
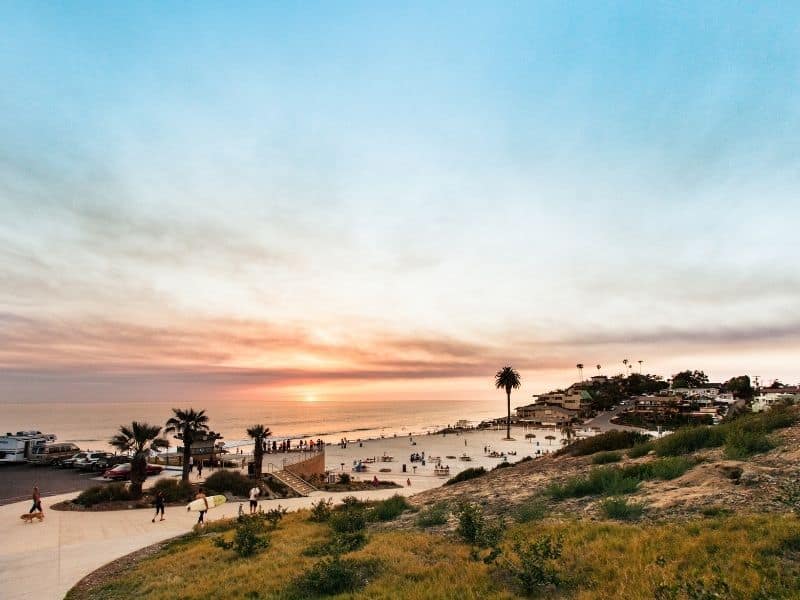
column 678, row 519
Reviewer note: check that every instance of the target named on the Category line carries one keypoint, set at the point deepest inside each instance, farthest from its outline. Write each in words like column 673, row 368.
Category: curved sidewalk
column 42, row 561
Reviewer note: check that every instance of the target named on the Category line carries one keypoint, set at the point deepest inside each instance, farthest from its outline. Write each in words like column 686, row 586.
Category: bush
column 741, row 444
column 640, row 450
column 602, row 458
column 610, row 440
column 249, row 537
column 474, row 529
column 103, row 493
column 229, row 481
column 335, row 575
column 690, row 439
column 533, row 509
column 664, row 468
column 389, row 509
column 344, row 478
column 619, row 509
column 340, row 543
column 533, row 564
column 433, row 515
column 605, row 481
column 466, row 474
column 174, row 490
column 348, row 521
column 274, row 516
column 321, row 511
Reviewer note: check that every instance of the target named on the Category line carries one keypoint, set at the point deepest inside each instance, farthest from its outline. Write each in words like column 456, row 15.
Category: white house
column 768, row 397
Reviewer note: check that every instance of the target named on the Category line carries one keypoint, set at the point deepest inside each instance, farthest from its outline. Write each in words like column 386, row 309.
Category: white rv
column 18, row 447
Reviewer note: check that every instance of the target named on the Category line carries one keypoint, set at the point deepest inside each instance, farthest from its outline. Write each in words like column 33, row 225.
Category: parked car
column 52, row 453
column 123, row 471
column 69, row 463
column 88, row 463
column 109, row 462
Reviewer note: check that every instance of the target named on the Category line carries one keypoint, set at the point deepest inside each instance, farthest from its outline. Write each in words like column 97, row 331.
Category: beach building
column 768, row 397
column 545, row 414
column 573, row 399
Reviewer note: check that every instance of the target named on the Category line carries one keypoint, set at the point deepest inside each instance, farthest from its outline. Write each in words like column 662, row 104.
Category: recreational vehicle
column 18, row 447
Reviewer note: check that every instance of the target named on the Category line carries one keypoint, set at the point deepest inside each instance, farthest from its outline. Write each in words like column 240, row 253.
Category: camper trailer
column 18, row 447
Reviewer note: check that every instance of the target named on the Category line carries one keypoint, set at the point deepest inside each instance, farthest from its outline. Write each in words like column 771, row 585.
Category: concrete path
column 42, row 561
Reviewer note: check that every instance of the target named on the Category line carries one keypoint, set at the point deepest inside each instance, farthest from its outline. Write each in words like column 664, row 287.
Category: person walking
column 160, row 504
column 36, row 497
column 201, row 495
column 199, row 469
column 254, row 493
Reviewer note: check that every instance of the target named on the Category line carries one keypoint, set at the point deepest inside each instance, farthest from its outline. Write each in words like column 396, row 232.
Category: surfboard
column 213, row 502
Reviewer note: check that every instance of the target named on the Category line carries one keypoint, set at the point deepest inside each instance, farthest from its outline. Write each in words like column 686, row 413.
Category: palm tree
column 187, row 424
column 507, row 379
column 598, row 368
column 568, row 431
column 640, row 366
column 259, row 433
column 579, row 366
column 140, row 439
column 625, row 364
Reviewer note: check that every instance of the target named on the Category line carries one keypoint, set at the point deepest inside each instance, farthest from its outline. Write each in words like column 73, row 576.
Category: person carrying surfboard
column 255, row 491
column 201, row 495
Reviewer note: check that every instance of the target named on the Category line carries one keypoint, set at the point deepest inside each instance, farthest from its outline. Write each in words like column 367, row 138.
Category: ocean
column 91, row 424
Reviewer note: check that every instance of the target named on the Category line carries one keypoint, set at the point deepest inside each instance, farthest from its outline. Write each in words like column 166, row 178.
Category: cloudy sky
column 362, row 200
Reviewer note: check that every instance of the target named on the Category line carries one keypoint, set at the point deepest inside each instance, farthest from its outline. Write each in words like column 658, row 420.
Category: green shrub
column 340, row 543
column 174, row 490
column 466, row 474
column 690, row 439
column 601, row 481
column 349, row 520
column 534, row 564
column 226, row 480
column 610, row 440
column 274, row 516
column 741, row 443
column 321, row 511
column 389, row 509
column 103, row 493
column 602, row 458
column 349, row 502
column 249, row 537
column 344, row 478
column 621, row 510
column 640, row 450
column 533, row 509
column 335, row 575
column 665, row 469
column 433, row 515
column 715, row 511
column 474, row 529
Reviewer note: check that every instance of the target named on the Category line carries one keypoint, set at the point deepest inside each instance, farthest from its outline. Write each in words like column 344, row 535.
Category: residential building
column 545, row 414
column 768, row 397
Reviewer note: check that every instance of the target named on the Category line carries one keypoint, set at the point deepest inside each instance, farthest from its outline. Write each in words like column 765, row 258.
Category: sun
column 310, row 398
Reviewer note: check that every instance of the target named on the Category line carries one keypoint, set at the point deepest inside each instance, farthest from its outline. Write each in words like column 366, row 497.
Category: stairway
column 300, row 486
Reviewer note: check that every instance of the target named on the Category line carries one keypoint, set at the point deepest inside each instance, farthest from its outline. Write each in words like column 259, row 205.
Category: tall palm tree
column 640, row 366
column 579, row 366
column 139, row 439
column 624, row 364
column 187, row 425
column 568, row 431
column 507, row 379
column 259, row 433
column 598, row 368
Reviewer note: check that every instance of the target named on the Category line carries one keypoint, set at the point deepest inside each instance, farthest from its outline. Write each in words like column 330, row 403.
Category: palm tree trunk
column 138, row 474
column 187, row 453
column 258, row 459
column 508, row 415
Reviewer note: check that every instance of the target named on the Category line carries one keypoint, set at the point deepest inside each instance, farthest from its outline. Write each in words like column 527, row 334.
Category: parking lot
column 17, row 481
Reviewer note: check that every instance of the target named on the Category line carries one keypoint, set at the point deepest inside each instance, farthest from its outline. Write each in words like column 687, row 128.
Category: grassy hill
column 667, row 521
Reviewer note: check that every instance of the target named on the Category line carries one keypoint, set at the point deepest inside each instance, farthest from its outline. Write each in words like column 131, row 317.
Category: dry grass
column 757, row 554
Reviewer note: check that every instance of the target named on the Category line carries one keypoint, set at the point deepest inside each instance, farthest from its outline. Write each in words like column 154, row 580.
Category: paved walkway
column 44, row 560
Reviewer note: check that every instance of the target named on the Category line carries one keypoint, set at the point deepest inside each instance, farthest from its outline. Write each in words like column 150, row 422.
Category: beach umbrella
column 550, row 437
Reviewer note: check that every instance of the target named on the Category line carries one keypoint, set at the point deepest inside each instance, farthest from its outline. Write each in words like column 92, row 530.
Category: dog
column 29, row 517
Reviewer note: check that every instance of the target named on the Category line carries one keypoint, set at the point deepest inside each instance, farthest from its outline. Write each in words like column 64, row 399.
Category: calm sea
column 91, row 424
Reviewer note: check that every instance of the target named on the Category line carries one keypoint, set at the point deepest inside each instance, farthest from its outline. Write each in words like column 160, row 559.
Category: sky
column 393, row 200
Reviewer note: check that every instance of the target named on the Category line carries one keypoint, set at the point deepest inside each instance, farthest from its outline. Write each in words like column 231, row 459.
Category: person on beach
column 254, row 493
column 199, row 469
column 160, row 503
column 408, row 482
column 201, row 495
column 36, row 497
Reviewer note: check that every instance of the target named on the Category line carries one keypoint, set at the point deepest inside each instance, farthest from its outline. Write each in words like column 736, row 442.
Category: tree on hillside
column 259, row 433
column 689, row 379
column 624, row 365
column 507, row 379
column 776, row 384
column 187, row 425
column 598, row 368
column 140, row 439
column 739, row 386
column 579, row 366
column 640, row 366
column 568, row 431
